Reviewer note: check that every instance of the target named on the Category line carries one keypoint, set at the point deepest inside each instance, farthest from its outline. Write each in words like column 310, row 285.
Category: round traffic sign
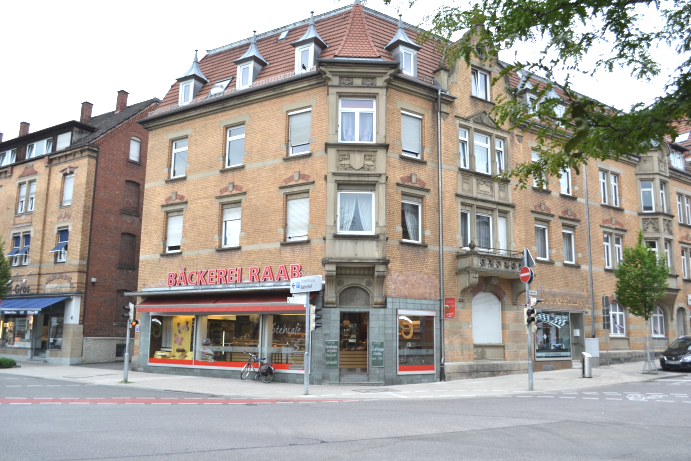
column 526, row 274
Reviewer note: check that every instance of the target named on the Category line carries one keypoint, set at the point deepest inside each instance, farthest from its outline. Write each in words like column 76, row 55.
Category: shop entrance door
column 353, row 342
column 577, row 335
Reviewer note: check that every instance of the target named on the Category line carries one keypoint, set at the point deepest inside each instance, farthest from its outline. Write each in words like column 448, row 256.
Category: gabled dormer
column 249, row 65
column 404, row 50
column 308, row 47
column 191, row 82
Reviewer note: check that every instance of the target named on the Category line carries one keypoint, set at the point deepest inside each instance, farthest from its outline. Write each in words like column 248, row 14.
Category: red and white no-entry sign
column 526, row 274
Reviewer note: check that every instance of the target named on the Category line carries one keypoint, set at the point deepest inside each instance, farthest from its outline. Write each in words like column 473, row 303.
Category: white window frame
column 21, row 203
column 500, row 155
column 680, row 208
column 465, row 239
column 491, row 232
column 478, row 78
column 175, row 151
column 223, row 230
column 565, row 182
column 413, row 57
column 174, row 215
column 573, row 245
column 607, row 244
column 684, row 264
column 338, row 207
column 187, row 84
column 614, row 180
column 8, row 157
column 298, row 57
column 134, row 141
column 546, row 231
column 652, row 247
column 238, row 83
column 463, row 148
column 290, row 144
column 617, row 311
column 61, row 256
column 25, row 255
column 503, row 242
column 488, row 146
column 297, row 238
column 31, row 196
column 408, row 153
column 687, row 206
column 373, row 111
column 18, row 239
column 676, row 160
column 668, row 253
column 659, row 318
column 31, row 148
column 663, row 196
column 604, row 196
column 67, row 202
column 229, row 139
column 419, row 220
column 650, row 190
column 618, row 249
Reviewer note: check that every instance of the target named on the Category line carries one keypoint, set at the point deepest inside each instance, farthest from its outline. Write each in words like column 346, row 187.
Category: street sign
column 306, row 284
column 528, row 260
column 297, row 299
column 532, row 292
column 526, row 274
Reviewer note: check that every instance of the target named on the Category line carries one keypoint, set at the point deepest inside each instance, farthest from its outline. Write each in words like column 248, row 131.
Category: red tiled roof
column 349, row 32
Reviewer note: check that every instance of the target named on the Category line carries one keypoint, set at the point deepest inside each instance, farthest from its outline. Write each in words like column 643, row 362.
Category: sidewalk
column 550, row 381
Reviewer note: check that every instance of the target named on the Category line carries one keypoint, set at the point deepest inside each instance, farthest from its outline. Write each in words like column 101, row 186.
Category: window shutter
column 300, row 125
column 64, row 140
column 410, row 133
column 297, row 219
column 486, row 310
column 230, row 214
column 32, row 189
column 135, row 149
column 174, row 234
column 64, row 235
column 67, row 190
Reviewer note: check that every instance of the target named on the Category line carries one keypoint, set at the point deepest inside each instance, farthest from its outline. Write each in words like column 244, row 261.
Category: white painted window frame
column 573, row 245
column 479, row 77
column 186, row 84
column 616, row 313
column 500, row 155
column 604, row 196
column 238, row 82
column 607, row 243
column 546, row 231
column 663, row 196
column 463, row 148
column 614, row 180
column 374, row 211
column 419, row 220
column 373, row 111
column 659, row 318
column 175, row 151
column 618, row 249
column 650, row 190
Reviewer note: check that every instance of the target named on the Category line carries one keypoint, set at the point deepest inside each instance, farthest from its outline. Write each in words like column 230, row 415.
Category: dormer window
column 39, row 148
column 303, row 59
column 308, row 47
column 185, row 93
column 8, row 157
column 249, row 65
column 219, row 88
column 480, row 82
column 404, row 50
column 408, row 62
column 191, row 82
column 677, row 160
column 244, row 72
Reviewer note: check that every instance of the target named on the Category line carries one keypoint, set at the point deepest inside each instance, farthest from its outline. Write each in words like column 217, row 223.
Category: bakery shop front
column 204, row 323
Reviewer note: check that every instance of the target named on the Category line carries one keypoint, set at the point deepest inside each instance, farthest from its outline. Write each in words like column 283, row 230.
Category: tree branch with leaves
column 5, row 272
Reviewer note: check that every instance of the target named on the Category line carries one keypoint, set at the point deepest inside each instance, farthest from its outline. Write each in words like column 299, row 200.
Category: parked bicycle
column 264, row 372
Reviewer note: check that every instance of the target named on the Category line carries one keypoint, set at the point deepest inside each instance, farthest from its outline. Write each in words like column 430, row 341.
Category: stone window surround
column 379, row 96
column 686, row 246
column 493, row 134
column 171, row 138
column 294, row 191
column 225, row 125
column 655, row 179
column 495, row 210
column 26, row 180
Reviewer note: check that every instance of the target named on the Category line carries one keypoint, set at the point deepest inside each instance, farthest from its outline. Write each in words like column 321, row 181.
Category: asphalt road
column 58, row 420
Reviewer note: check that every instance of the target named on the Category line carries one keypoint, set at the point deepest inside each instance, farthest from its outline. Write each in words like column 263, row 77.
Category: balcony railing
column 490, row 261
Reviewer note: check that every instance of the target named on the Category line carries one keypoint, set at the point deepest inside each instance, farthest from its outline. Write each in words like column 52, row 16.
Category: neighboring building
column 312, row 149
column 71, row 226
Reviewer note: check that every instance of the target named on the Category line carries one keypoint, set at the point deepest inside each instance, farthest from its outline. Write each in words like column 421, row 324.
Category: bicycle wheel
column 267, row 373
column 245, row 371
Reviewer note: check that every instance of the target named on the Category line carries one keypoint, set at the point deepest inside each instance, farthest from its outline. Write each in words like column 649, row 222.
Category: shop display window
column 171, row 339
column 16, row 331
column 415, row 343
column 55, row 330
column 553, row 335
column 284, row 342
column 224, row 340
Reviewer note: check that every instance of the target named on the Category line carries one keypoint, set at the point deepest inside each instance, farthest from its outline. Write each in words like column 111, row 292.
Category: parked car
column 678, row 355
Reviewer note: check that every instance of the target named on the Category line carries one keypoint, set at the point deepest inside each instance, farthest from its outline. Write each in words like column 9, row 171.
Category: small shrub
column 7, row 363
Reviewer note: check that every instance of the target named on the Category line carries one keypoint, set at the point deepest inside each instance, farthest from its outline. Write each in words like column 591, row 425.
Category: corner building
column 71, row 223
column 313, row 149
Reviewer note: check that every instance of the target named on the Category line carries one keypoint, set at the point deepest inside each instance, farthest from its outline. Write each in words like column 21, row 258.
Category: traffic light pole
column 307, row 343
column 127, row 351
column 530, row 347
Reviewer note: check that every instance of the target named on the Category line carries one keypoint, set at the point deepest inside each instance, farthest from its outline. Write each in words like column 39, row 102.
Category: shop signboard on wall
column 377, row 351
column 233, row 275
column 450, row 308
column 331, row 353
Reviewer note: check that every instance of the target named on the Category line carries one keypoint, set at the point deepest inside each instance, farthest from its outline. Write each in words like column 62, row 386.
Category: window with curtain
column 179, row 161
column 356, row 120
column 356, row 212
column 499, row 152
column 618, row 323
column 135, row 149
column 647, row 202
column 481, row 150
column 297, row 217
column 608, row 250
column 67, row 189
column 465, row 229
column 658, row 322
column 21, row 203
column 541, row 242
column 411, row 221
column 463, row 147
column 483, row 228
column 411, row 134
column 569, row 246
column 32, row 196
column 300, row 130
column 502, row 231
column 174, row 232
column 232, row 215
column 480, row 84
column 236, row 146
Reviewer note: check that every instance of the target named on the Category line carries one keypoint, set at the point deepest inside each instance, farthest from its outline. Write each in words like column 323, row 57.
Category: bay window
column 355, row 212
column 356, row 120
column 483, row 227
column 463, row 147
column 465, row 229
column 663, row 196
column 481, row 150
column 647, row 201
column 503, row 233
column 499, row 151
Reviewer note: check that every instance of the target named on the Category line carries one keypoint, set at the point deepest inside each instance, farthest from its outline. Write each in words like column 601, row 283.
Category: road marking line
column 34, row 385
column 591, row 398
column 72, row 385
column 527, row 396
column 208, row 403
column 565, row 393
column 611, row 398
column 52, row 385
column 78, row 403
column 19, row 403
column 50, row 403
column 545, row 396
column 13, row 386
column 567, row 397
column 667, row 401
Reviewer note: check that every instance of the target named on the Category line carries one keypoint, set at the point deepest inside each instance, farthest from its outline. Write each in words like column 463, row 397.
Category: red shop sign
column 449, row 308
column 232, row 275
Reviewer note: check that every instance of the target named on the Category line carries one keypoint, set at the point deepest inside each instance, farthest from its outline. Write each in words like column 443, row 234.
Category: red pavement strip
column 155, row 401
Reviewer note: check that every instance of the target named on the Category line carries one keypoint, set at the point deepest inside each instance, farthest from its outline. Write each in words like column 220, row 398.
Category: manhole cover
column 372, row 391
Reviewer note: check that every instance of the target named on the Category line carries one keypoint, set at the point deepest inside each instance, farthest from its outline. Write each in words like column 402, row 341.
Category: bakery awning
column 272, row 303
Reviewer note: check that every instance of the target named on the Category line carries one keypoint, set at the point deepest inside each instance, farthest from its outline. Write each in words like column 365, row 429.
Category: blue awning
column 12, row 253
column 59, row 247
column 28, row 305
column 22, row 251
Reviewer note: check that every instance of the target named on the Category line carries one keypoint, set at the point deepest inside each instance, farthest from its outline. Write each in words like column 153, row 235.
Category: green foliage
column 5, row 272
column 641, row 279
column 7, row 363
column 575, row 32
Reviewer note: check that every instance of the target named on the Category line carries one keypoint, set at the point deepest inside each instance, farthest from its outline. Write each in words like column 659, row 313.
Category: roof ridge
column 357, row 11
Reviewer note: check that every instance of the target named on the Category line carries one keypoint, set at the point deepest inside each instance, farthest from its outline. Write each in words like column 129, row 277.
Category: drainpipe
column 590, row 253
column 442, row 373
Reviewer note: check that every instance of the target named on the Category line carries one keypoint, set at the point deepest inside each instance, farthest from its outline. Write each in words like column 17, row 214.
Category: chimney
column 23, row 129
column 86, row 112
column 122, row 101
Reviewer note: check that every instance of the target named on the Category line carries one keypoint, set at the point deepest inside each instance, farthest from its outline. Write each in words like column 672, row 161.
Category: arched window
column 618, row 323
column 658, row 322
column 681, row 321
column 486, row 319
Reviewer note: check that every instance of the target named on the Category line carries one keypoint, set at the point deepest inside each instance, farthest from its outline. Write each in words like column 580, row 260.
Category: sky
column 58, row 54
